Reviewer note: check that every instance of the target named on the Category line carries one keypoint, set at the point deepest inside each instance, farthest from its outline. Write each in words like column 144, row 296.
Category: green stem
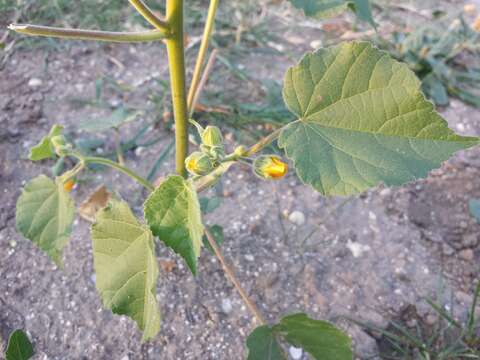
column 212, row 10
column 176, row 62
column 148, row 14
column 263, row 142
column 121, row 168
column 80, row 34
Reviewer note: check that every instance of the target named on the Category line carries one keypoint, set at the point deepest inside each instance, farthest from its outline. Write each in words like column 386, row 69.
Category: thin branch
column 212, row 10
column 263, row 142
column 231, row 276
column 81, row 34
column 147, row 13
column 203, row 81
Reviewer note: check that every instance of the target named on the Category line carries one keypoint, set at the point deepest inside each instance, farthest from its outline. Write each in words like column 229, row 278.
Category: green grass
column 447, row 339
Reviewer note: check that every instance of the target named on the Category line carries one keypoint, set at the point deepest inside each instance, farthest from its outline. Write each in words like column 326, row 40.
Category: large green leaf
column 173, row 213
column 328, row 8
column 44, row 149
column 19, row 346
column 262, row 345
column 125, row 266
column 45, row 214
column 362, row 121
column 319, row 338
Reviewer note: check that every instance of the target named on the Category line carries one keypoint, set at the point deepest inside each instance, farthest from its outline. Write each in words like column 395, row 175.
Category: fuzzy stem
column 176, row 62
column 121, row 168
column 212, row 10
column 80, row 34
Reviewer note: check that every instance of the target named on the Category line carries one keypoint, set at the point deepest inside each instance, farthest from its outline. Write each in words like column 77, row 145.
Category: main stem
column 176, row 63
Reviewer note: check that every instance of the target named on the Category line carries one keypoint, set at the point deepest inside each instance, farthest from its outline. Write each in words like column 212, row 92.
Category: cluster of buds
column 62, row 148
column 212, row 151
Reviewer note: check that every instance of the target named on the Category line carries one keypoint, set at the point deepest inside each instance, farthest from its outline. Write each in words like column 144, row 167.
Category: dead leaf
column 96, row 201
column 167, row 265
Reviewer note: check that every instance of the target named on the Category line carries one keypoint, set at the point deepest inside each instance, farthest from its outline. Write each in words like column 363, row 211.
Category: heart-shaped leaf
column 125, row 266
column 45, row 214
column 262, row 345
column 173, row 213
column 319, row 338
column 19, row 346
column 362, row 121
column 45, row 149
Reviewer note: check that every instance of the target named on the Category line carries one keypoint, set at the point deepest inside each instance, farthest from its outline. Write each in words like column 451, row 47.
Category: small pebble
column 227, row 306
column 297, row 218
column 249, row 257
column 34, row 82
column 466, row 254
column 356, row 248
column 295, row 353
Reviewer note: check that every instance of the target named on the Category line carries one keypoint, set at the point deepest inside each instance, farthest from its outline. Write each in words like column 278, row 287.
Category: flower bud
column 240, row 151
column 198, row 163
column 212, row 136
column 68, row 185
column 270, row 167
column 60, row 145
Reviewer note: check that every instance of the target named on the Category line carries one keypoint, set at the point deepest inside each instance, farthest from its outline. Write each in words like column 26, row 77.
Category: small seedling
column 360, row 119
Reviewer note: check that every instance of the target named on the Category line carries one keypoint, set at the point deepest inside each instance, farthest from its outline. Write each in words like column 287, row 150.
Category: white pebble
column 356, row 248
column 35, row 82
column 297, row 218
column 226, row 306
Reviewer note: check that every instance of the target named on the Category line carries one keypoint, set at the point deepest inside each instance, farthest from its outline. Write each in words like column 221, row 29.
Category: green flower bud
column 270, row 167
column 240, row 151
column 60, row 145
column 212, row 136
column 199, row 163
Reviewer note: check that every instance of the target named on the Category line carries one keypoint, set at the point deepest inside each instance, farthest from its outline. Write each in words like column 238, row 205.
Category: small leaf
column 45, row 214
column 19, row 346
column 45, row 149
column 319, row 338
column 217, row 233
column 262, row 345
column 362, row 121
column 321, row 9
column 208, row 205
column 118, row 118
column 474, row 207
column 173, row 213
column 125, row 266
column 434, row 88
column 363, row 10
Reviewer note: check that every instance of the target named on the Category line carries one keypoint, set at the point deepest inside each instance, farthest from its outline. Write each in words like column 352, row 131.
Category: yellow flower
column 198, row 163
column 270, row 167
column 68, row 185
